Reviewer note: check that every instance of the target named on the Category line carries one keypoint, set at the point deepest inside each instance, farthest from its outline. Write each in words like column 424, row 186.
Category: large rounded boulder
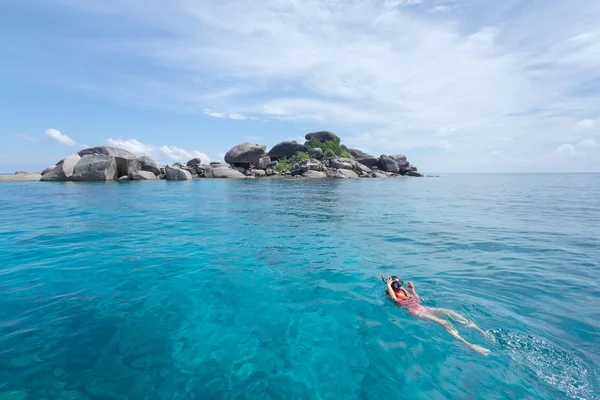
column 62, row 171
column 142, row 176
column 145, row 163
column 177, row 174
column 323, row 136
column 107, row 151
column 317, row 153
column 286, row 150
column 387, row 164
column 245, row 153
column 95, row 167
column 402, row 162
column 222, row 172
column 368, row 161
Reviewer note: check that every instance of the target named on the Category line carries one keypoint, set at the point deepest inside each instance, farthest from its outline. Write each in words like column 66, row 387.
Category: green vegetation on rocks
column 286, row 164
column 330, row 148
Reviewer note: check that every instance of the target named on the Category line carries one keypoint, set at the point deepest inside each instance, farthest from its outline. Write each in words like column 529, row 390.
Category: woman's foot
column 481, row 350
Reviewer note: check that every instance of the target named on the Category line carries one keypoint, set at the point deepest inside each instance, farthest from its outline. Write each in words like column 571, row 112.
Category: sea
column 271, row 288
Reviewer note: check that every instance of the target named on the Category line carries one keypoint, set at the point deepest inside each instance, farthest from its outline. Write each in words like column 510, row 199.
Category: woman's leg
column 456, row 317
column 425, row 316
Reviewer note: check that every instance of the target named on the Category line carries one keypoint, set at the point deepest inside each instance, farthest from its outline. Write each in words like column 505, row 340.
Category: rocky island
column 321, row 156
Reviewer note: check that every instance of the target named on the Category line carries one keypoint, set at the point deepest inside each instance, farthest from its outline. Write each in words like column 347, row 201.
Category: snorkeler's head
column 396, row 283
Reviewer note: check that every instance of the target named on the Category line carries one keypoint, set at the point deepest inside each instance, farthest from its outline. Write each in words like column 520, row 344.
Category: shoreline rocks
column 322, row 156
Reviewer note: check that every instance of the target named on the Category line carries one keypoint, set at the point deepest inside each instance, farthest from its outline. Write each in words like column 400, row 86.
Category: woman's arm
column 411, row 287
column 390, row 291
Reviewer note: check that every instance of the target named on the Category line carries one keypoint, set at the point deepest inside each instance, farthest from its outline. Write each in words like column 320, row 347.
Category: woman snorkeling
column 410, row 300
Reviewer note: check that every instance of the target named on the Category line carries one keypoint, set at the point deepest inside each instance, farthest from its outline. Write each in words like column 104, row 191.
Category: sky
column 455, row 85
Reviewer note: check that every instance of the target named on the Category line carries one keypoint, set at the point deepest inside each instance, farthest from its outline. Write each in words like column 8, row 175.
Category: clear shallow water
column 270, row 289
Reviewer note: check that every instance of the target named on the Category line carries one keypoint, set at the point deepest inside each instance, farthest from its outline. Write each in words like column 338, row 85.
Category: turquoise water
column 270, row 289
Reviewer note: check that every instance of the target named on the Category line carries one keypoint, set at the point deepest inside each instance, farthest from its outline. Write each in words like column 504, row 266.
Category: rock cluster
column 246, row 160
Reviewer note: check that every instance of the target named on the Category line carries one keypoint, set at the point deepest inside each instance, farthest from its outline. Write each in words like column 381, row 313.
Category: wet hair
column 396, row 283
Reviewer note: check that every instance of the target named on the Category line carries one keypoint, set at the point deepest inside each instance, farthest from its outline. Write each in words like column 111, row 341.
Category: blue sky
column 456, row 85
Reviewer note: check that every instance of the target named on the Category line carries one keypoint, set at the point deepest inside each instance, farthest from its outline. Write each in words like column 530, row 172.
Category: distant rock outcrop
column 323, row 155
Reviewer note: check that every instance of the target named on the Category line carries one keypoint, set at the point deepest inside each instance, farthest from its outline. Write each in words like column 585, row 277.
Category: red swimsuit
column 408, row 301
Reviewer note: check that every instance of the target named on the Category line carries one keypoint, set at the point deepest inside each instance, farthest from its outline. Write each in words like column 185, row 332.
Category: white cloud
column 440, row 9
column 506, row 76
column 181, row 155
column 565, row 150
column 216, row 114
column 133, row 145
column 589, row 142
column 59, row 137
column 587, row 124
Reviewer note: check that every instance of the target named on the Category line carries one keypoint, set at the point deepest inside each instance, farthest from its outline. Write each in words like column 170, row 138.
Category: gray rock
column 316, row 153
column 219, row 164
column 145, row 163
column 307, row 165
column 377, row 174
column 314, row 174
column 415, row 173
column 122, row 166
column 322, row 136
column 241, row 170
column 286, row 149
column 179, row 165
column 362, row 168
column 263, row 162
column 403, row 164
column 357, row 153
column 142, row 176
column 337, row 175
column 50, row 168
column 259, row 173
column 21, row 172
column 387, row 164
column 95, row 167
column 194, row 162
column 191, row 170
column 273, row 165
column 123, row 178
column 245, row 153
column 63, row 171
column 399, row 158
column 26, row 177
column 368, row 161
column 173, row 173
column 348, row 173
column 223, row 173
column 270, row 172
column 341, row 163
column 107, row 151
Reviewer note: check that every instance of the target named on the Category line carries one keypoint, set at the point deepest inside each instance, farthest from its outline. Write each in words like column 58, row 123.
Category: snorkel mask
column 397, row 283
